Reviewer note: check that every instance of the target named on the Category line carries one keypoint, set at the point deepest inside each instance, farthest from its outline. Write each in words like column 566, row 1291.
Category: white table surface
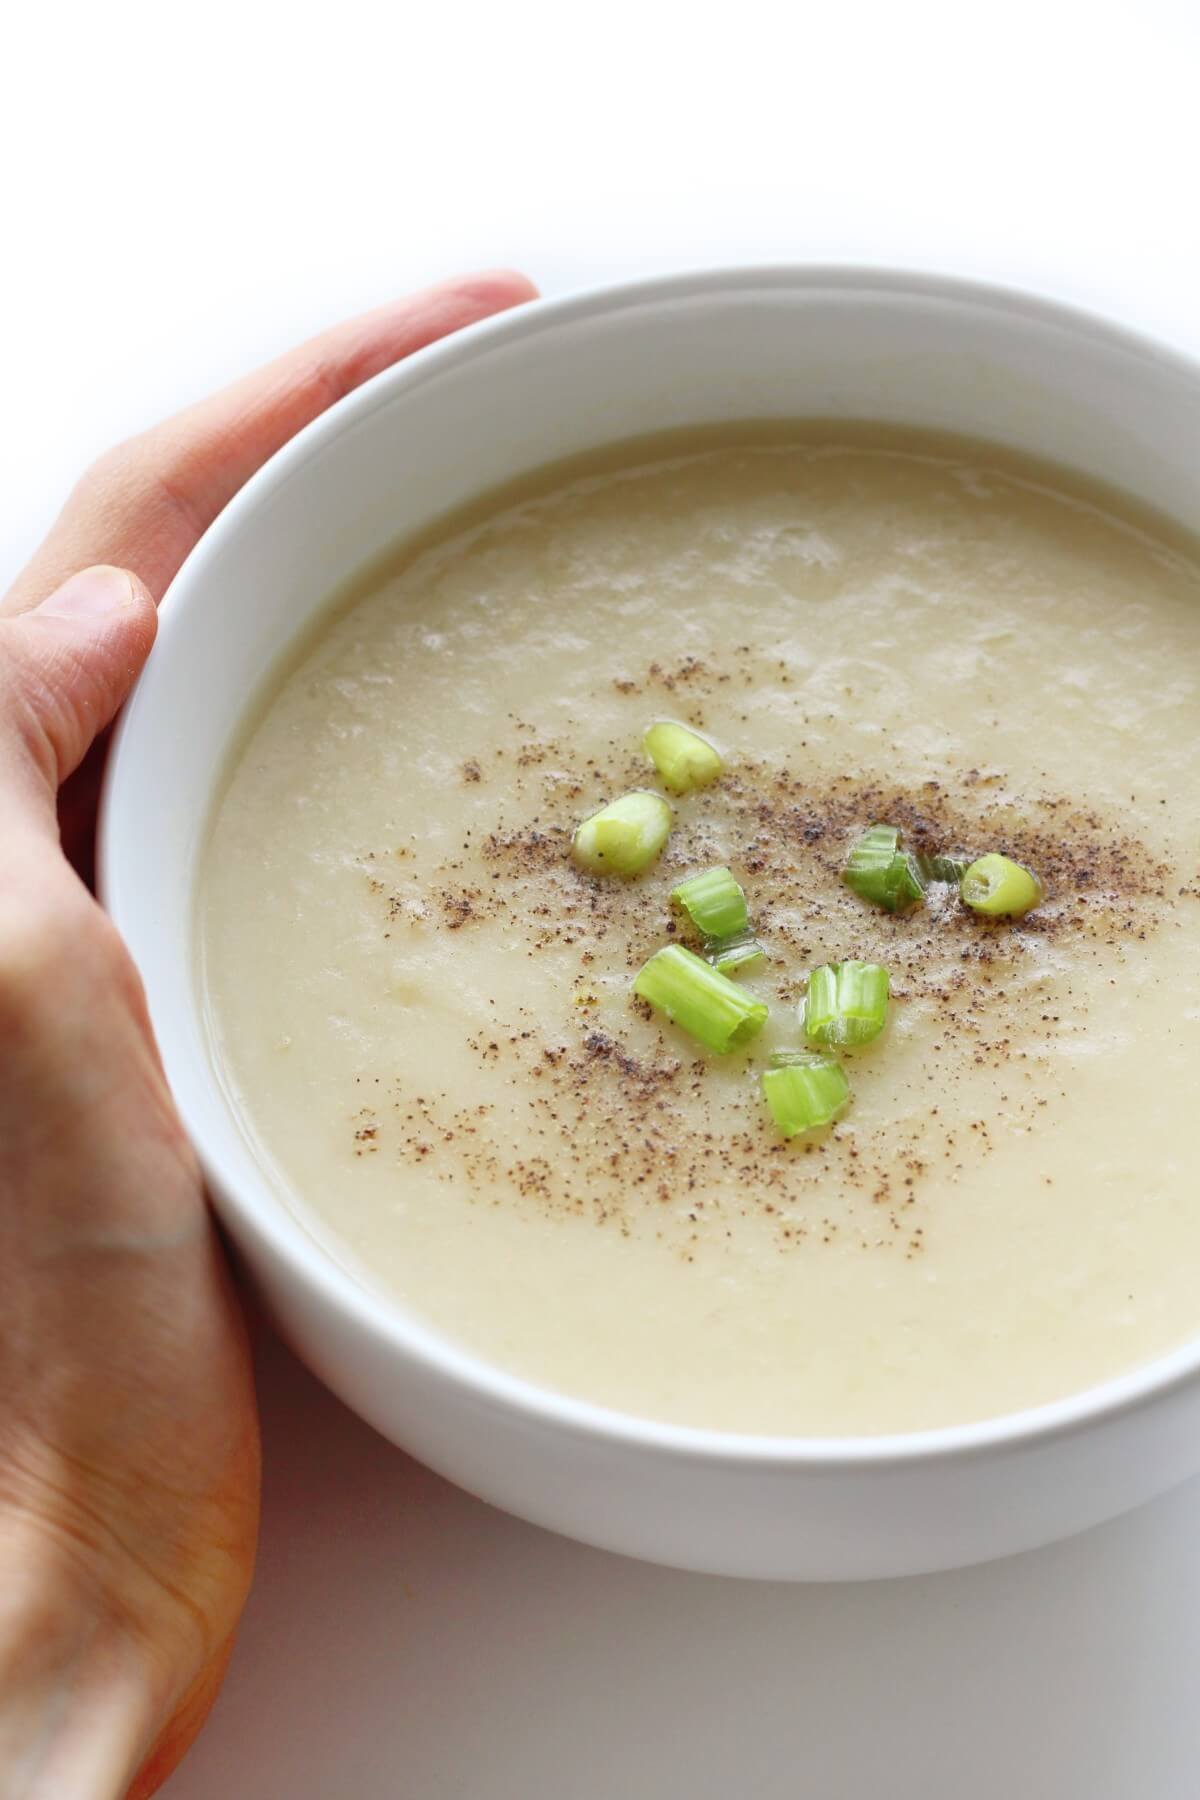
column 407, row 1642
column 186, row 192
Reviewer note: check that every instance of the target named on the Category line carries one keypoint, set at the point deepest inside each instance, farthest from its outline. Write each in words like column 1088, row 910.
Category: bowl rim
column 263, row 1216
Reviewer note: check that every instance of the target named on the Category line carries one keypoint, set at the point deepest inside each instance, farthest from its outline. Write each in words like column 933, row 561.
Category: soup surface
column 423, row 1010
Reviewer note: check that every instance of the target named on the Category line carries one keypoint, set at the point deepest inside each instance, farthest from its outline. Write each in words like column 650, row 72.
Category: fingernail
column 90, row 593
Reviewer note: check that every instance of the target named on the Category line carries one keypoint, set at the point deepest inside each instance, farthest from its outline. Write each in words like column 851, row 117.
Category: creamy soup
column 423, row 1011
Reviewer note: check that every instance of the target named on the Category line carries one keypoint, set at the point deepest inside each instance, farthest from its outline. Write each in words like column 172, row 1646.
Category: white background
column 185, row 191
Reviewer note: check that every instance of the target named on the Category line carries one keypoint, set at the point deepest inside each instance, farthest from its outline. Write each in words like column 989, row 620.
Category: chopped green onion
column 1000, row 888
column 942, row 868
column 704, row 1002
column 625, row 837
column 880, row 871
column 804, row 1090
column 738, row 955
column 683, row 758
column 714, row 903
column 846, row 1003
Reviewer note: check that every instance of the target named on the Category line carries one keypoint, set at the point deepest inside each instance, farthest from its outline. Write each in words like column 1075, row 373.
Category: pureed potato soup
column 424, row 1006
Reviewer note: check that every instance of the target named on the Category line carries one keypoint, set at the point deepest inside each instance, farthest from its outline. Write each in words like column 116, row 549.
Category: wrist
column 76, row 1711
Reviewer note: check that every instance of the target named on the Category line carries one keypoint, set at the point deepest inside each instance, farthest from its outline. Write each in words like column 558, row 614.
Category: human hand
column 128, row 1436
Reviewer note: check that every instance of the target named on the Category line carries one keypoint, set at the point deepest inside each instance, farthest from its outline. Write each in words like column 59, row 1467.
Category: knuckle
column 116, row 485
column 154, row 470
column 107, row 473
column 121, row 979
column 31, row 950
column 99, row 957
column 62, row 946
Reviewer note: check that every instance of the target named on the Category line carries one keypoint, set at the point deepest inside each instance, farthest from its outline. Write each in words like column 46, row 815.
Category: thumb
column 65, row 668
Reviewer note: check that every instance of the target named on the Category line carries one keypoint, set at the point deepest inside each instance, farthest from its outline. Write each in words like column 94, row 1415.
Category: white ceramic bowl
column 505, row 396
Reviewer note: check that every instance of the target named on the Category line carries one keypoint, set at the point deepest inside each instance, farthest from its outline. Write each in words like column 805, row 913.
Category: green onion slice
column 942, row 868
column 878, row 870
column 714, row 903
column 846, row 1003
column 741, row 954
column 683, row 758
column 697, row 997
column 625, row 837
column 1000, row 888
column 804, row 1090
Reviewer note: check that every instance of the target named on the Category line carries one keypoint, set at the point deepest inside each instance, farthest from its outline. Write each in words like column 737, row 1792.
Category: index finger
column 145, row 504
